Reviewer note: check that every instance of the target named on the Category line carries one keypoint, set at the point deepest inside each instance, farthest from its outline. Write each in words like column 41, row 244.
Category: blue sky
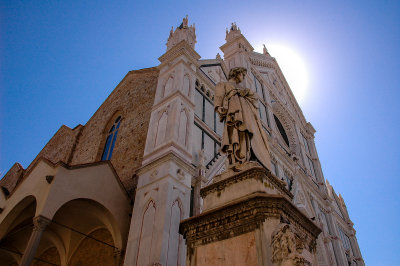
column 59, row 60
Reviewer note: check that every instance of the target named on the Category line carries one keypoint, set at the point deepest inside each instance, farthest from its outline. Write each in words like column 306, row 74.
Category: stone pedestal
column 249, row 219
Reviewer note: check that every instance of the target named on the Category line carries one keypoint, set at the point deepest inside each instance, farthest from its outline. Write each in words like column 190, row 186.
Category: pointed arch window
column 282, row 130
column 110, row 141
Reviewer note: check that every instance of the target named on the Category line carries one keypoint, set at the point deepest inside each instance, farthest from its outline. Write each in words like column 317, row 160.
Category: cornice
column 169, row 156
column 258, row 173
column 167, row 100
column 72, row 167
column 232, row 42
column 182, row 48
column 243, row 216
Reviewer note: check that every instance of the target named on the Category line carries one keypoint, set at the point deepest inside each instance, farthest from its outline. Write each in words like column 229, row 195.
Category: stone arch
column 183, row 130
column 105, row 130
column 286, row 121
column 52, row 240
column 161, row 129
column 96, row 241
column 174, row 238
column 49, row 255
column 15, row 230
column 146, row 233
column 26, row 207
column 95, row 213
column 168, row 86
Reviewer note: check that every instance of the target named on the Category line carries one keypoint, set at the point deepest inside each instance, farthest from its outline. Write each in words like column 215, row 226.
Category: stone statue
column 284, row 250
column 243, row 138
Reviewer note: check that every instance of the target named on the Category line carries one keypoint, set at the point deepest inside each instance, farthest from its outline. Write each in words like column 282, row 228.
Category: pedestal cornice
column 243, row 216
column 258, row 173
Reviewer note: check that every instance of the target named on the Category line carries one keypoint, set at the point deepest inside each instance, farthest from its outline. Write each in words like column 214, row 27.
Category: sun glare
column 293, row 68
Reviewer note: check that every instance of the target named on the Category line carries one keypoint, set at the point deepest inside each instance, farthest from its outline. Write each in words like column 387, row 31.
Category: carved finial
column 185, row 22
column 182, row 33
column 265, row 51
column 342, row 200
column 218, row 56
column 234, row 26
column 233, row 32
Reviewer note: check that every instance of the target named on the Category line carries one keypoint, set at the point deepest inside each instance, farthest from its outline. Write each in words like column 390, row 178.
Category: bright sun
column 293, row 68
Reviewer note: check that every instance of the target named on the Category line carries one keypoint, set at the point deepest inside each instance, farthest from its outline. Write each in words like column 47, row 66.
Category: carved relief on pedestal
column 286, row 248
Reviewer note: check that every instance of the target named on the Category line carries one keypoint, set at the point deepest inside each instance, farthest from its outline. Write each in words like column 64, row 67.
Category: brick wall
column 12, row 177
column 60, row 146
column 132, row 99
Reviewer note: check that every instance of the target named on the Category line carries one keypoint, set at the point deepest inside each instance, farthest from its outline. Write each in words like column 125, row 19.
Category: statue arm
column 219, row 100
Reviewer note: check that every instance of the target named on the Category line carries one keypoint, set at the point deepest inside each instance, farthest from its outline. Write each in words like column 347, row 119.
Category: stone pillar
column 164, row 185
column 339, row 252
column 199, row 182
column 39, row 225
column 118, row 254
column 356, row 250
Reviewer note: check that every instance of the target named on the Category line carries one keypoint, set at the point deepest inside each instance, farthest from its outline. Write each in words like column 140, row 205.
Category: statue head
column 237, row 73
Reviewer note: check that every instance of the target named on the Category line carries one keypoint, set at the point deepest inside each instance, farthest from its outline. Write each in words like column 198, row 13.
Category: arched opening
column 48, row 257
column 89, row 233
column 15, row 231
column 111, row 139
column 93, row 251
column 282, row 131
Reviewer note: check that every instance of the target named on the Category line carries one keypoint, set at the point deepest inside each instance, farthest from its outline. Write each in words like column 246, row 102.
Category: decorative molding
column 49, row 178
column 169, row 156
column 40, row 223
column 244, row 216
column 258, row 173
column 182, row 48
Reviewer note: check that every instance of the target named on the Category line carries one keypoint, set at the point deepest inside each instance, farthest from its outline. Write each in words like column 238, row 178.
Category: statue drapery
column 243, row 133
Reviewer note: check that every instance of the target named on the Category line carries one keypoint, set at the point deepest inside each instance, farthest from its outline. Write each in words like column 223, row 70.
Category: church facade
column 116, row 190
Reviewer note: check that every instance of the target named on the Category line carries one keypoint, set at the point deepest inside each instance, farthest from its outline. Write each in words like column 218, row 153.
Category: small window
column 110, row 141
column 281, row 130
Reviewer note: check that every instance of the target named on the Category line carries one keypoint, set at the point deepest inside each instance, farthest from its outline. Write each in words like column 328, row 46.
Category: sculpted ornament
column 244, row 138
column 284, row 247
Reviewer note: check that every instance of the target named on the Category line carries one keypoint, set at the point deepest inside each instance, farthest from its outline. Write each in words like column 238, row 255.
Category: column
column 118, row 254
column 356, row 250
column 339, row 252
column 39, row 225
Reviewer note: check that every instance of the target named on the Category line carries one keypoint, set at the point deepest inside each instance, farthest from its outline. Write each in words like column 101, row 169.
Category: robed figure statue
column 244, row 138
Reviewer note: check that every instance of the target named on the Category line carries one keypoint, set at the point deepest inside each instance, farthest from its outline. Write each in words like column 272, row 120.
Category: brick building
column 114, row 191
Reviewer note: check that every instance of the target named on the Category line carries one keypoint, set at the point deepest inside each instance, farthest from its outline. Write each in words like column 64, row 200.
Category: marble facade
column 166, row 195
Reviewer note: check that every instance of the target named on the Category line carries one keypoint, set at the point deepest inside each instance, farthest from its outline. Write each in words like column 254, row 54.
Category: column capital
column 40, row 223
